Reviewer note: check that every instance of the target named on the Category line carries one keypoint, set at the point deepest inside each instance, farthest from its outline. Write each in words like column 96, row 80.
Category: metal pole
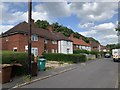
column 29, row 36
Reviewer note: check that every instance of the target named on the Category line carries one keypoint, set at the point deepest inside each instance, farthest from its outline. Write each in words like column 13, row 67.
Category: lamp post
column 29, row 36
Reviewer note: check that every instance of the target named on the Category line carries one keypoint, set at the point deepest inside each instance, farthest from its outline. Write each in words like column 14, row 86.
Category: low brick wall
column 91, row 57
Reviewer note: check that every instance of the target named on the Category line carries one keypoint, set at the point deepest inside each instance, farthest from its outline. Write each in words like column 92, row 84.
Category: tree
column 42, row 24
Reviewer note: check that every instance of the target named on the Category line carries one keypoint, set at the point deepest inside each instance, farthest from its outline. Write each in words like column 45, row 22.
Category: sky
column 91, row 19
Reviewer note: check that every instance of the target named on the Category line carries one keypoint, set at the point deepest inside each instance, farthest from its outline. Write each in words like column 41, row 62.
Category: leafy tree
column 60, row 28
column 42, row 24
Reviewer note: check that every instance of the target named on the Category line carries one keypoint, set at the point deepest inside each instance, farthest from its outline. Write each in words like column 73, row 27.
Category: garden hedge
column 9, row 57
column 72, row 58
column 96, row 53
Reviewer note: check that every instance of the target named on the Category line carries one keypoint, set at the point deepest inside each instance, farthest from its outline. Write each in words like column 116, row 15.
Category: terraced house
column 80, row 44
column 16, row 39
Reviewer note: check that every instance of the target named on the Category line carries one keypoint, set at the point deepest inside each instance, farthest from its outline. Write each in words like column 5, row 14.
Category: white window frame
column 54, row 42
column 68, row 50
column 34, row 51
column 46, row 41
column 15, row 48
column 6, row 39
column 34, row 38
column 53, row 51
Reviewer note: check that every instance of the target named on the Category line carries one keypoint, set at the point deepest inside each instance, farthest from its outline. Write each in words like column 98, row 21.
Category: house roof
column 23, row 28
column 94, row 44
column 78, row 41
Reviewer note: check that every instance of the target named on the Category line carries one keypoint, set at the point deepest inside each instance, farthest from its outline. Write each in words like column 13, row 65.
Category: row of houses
column 16, row 39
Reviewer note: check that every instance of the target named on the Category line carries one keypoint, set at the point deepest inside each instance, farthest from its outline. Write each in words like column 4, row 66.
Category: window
column 26, row 47
column 6, row 39
column 34, row 38
column 68, row 51
column 56, row 51
column 54, row 42
column 53, row 51
column 68, row 43
column 46, row 41
column 15, row 49
column 77, row 46
column 35, row 51
column 46, row 50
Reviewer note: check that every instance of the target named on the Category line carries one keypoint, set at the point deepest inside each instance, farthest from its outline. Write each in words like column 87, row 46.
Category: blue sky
column 97, row 19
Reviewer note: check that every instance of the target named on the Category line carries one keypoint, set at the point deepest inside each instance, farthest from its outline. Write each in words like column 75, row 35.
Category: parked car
column 107, row 55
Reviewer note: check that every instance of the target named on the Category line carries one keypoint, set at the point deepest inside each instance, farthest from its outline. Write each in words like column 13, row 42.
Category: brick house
column 79, row 44
column 104, row 49
column 95, row 46
column 16, row 39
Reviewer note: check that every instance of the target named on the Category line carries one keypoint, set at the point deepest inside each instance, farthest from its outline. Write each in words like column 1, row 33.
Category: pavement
column 101, row 73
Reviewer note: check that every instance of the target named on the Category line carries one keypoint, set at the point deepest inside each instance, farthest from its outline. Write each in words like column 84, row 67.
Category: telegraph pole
column 29, row 36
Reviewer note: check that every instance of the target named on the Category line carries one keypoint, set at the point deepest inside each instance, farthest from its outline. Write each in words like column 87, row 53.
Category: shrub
column 72, row 58
column 96, row 53
column 81, row 51
column 9, row 57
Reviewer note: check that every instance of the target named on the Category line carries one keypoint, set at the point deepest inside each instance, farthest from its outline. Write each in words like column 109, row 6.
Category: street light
column 29, row 36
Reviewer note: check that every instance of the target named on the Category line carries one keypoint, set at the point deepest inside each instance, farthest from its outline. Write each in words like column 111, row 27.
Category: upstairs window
column 6, row 39
column 54, row 42
column 34, row 38
column 46, row 41
column 68, row 43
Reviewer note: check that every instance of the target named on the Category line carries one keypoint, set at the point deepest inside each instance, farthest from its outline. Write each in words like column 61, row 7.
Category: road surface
column 101, row 73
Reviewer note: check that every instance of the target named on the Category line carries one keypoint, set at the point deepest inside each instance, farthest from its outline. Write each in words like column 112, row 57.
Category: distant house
column 16, row 39
column 95, row 46
column 79, row 44
column 104, row 48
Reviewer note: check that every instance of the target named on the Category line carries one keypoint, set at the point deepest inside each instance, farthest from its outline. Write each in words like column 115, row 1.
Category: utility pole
column 29, row 36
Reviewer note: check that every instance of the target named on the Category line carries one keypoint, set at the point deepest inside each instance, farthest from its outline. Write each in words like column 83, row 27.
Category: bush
column 9, row 57
column 81, row 51
column 72, row 58
column 96, row 53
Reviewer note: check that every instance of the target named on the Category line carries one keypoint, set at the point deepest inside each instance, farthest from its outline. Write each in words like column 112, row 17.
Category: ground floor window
column 15, row 49
column 68, row 51
column 35, row 51
column 53, row 51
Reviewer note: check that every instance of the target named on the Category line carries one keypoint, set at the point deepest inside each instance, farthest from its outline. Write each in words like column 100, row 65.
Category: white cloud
column 54, row 9
column 4, row 28
column 104, row 26
column 88, row 33
column 105, row 33
column 94, row 11
column 86, row 25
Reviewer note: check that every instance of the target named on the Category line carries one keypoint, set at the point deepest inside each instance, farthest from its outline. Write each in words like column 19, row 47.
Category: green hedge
column 9, row 57
column 96, row 53
column 81, row 51
column 72, row 58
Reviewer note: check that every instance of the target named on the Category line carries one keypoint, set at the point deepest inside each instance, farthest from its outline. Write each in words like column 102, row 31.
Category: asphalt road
column 102, row 73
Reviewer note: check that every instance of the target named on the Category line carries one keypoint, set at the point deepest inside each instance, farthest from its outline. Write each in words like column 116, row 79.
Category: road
column 102, row 73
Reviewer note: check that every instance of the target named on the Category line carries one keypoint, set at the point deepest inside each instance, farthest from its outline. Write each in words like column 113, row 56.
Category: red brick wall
column 20, row 41
column 50, row 46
